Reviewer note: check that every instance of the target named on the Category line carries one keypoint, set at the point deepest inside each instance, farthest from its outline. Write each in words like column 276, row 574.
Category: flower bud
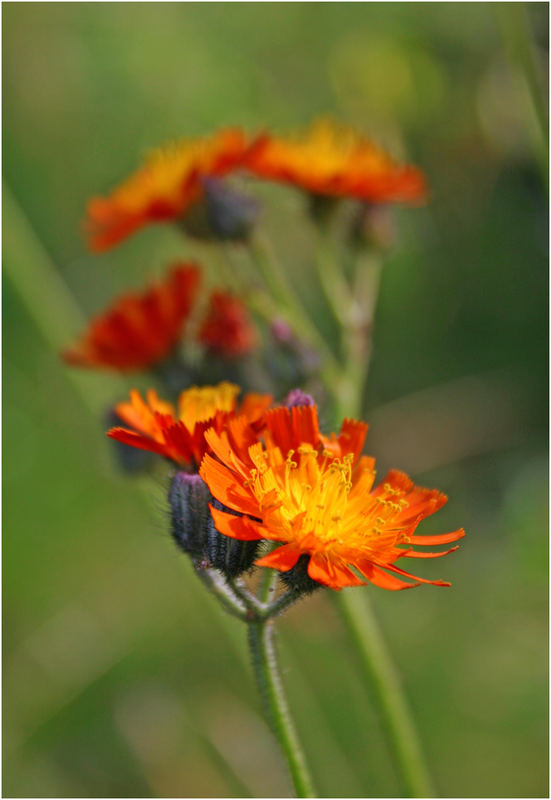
column 194, row 532
column 281, row 331
column 297, row 397
column 222, row 213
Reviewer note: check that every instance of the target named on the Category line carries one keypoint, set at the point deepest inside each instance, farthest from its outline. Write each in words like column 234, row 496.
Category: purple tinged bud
column 194, row 532
column 297, row 397
column 222, row 213
column 189, row 499
column 231, row 214
column 281, row 331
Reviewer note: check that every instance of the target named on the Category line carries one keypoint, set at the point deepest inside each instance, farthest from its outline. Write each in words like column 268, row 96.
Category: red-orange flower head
column 164, row 188
column 315, row 496
column 227, row 329
column 154, row 424
column 139, row 328
column 332, row 160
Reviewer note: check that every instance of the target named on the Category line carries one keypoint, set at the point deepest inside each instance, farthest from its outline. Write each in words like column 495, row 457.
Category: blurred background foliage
column 121, row 677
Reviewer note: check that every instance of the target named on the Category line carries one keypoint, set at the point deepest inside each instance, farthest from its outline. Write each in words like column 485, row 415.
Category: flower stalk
column 287, row 300
column 262, row 647
column 356, row 321
column 378, row 668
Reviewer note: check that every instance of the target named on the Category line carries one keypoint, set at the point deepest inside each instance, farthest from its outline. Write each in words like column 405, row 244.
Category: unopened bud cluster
column 194, row 532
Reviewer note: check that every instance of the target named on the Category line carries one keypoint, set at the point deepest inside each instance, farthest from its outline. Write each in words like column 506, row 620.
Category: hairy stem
column 261, row 642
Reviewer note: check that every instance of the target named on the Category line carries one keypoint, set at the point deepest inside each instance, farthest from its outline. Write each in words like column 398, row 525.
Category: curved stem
column 376, row 662
column 214, row 581
column 261, row 642
column 359, row 334
column 332, row 280
column 251, row 602
column 280, row 604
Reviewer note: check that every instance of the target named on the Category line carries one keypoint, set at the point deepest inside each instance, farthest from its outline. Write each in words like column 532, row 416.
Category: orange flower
column 139, row 329
column 336, row 161
column 164, row 188
column 319, row 502
column 226, row 328
column 156, row 427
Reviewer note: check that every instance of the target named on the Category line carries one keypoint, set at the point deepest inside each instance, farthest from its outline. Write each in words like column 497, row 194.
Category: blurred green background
column 121, row 677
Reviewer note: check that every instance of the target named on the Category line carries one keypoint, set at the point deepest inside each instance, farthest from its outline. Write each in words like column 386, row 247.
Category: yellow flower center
column 316, row 502
column 202, row 402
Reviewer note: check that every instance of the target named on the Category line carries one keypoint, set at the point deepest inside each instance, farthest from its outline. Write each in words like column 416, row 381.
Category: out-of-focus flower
column 170, row 181
column 154, row 424
column 227, row 329
column 140, row 328
column 337, row 161
column 315, row 496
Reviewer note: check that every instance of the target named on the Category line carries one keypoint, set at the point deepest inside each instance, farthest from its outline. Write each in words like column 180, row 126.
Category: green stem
column 280, row 604
column 216, row 583
column 357, row 334
column 268, row 579
column 357, row 330
column 332, row 279
column 519, row 42
column 251, row 602
column 298, row 316
column 355, row 609
column 267, row 584
column 261, row 642
column 48, row 301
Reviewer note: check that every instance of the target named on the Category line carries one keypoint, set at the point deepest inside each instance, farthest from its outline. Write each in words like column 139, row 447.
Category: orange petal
column 385, row 581
column 137, row 440
column 330, row 573
column 282, row 558
column 351, row 437
column 443, row 538
column 224, row 486
column 236, row 527
column 427, row 553
column 398, row 571
column 254, row 405
column 290, row 427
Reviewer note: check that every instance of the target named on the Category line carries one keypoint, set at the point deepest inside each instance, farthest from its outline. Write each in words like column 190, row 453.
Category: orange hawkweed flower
column 139, row 328
column 164, row 188
column 155, row 425
column 319, row 502
column 226, row 328
column 337, row 161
